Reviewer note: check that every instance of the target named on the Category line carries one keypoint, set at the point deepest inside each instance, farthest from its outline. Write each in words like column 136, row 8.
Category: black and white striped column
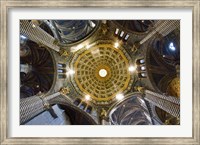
column 32, row 106
column 167, row 103
column 38, row 35
column 163, row 27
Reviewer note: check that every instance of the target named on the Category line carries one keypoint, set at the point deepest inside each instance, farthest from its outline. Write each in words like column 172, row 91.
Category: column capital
column 64, row 90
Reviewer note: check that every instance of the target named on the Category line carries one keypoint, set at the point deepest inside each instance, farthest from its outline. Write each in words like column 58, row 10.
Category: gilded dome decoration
column 102, row 72
column 173, row 88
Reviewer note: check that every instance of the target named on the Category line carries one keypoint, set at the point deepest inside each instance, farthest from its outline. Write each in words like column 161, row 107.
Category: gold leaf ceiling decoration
column 102, row 72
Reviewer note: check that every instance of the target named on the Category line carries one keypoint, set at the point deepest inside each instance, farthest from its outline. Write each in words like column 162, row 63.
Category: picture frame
column 6, row 5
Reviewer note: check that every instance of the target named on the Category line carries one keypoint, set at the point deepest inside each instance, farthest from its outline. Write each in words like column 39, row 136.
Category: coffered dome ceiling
column 102, row 72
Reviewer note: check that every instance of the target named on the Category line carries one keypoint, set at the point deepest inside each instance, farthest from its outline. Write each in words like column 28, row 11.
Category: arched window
column 61, row 65
column 140, row 61
column 83, row 105
column 142, row 75
column 61, row 76
column 143, row 68
column 77, row 101
column 89, row 109
column 116, row 31
column 61, row 70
